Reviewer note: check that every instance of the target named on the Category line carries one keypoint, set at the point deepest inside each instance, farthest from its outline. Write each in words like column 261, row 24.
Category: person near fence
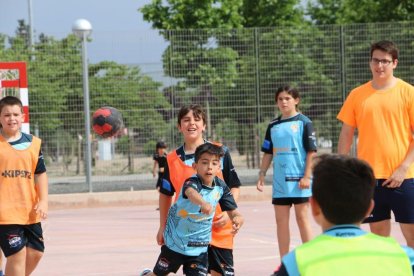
column 23, row 191
column 290, row 143
column 342, row 196
column 189, row 221
column 192, row 124
column 160, row 160
column 382, row 110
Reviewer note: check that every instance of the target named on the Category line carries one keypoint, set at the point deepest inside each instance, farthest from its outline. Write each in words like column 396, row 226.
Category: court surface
column 121, row 240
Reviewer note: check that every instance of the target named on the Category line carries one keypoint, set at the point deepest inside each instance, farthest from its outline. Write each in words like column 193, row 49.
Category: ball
column 107, row 121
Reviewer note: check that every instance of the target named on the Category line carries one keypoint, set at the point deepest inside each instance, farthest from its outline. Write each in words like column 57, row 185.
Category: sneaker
column 146, row 271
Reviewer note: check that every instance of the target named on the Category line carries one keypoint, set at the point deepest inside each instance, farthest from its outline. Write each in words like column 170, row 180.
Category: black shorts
column 398, row 200
column 14, row 238
column 220, row 260
column 289, row 200
column 170, row 261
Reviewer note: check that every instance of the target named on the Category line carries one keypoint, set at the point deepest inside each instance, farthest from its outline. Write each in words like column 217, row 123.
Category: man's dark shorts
column 398, row 200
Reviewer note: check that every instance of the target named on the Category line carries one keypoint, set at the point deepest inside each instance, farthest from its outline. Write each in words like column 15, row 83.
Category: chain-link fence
column 232, row 73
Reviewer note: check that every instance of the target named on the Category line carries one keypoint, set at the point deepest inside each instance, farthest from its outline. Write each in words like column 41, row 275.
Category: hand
column 396, row 179
column 160, row 236
column 206, row 208
column 221, row 220
column 153, row 174
column 237, row 223
column 41, row 209
column 260, row 184
column 304, row 183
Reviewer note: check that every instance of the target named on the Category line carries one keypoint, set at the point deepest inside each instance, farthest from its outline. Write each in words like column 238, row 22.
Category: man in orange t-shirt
column 383, row 112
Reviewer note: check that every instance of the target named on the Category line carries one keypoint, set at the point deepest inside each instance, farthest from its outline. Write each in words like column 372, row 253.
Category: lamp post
column 82, row 29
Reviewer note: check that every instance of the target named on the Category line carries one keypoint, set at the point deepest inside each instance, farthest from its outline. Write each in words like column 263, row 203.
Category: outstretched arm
column 197, row 199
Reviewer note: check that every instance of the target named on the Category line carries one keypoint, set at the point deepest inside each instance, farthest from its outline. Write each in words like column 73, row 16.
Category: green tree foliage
column 359, row 11
column 221, row 60
column 56, row 90
column 192, row 14
column 266, row 13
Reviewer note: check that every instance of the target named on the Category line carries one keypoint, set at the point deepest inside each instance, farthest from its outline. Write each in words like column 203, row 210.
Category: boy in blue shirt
column 342, row 196
column 189, row 222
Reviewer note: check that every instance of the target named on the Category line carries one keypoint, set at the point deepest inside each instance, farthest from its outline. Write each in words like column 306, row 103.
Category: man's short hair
column 386, row 46
column 343, row 186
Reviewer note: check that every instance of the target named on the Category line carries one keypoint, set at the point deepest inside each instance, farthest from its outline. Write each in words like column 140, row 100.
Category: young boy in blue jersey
column 192, row 123
column 189, row 222
column 343, row 189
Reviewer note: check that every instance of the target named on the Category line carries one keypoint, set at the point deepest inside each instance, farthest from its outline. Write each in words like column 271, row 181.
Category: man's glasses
column 384, row 62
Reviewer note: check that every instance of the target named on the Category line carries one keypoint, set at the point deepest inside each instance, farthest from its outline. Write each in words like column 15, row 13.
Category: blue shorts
column 14, row 238
column 398, row 200
column 170, row 261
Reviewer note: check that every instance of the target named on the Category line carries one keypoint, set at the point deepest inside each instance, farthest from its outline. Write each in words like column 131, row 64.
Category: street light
column 82, row 29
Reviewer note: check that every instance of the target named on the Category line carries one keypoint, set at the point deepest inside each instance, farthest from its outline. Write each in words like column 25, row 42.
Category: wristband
column 262, row 173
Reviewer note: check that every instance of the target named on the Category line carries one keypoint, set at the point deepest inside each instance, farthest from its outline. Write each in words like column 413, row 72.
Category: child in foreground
column 343, row 189
column 189, row 222
column 23, row 191
column 192, row 123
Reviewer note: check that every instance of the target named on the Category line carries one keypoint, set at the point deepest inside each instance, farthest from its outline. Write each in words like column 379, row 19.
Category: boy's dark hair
column 386, row 46
column 288, row 89
column 208, row 148
column 161, row 145
column 10, row 100
column 343, row 186
column 197, row 111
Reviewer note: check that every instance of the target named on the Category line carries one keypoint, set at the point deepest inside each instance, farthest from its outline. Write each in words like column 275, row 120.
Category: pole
column 31, row 40
column 88, row 162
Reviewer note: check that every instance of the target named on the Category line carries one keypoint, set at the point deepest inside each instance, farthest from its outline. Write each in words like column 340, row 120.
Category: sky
column 119, row 31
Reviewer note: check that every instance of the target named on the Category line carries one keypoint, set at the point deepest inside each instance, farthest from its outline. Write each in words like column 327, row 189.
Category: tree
column 56, row 93
column 192, row 14
column 359, row 11
column 214, row 59
column 270, row 13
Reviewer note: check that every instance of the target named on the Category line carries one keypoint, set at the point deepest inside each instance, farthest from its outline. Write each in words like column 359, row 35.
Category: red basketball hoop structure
column 13, row 76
